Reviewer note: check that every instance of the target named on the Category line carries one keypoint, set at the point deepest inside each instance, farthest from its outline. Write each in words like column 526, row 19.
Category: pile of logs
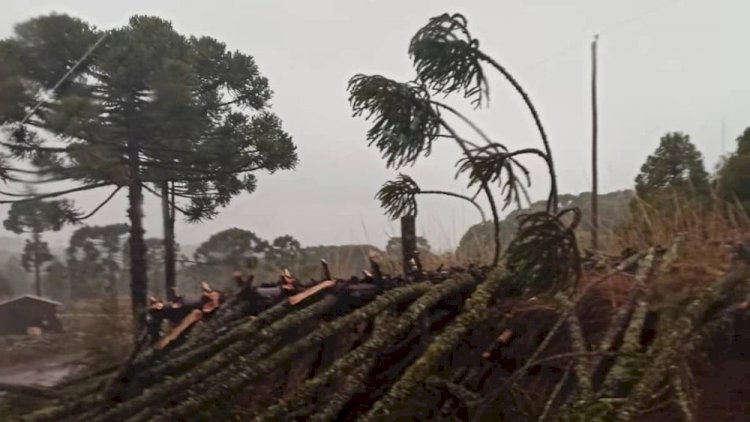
column 453, row 343
column 252, row 300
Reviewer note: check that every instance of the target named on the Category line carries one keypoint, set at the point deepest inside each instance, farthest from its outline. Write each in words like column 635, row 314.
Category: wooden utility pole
column 594, row 171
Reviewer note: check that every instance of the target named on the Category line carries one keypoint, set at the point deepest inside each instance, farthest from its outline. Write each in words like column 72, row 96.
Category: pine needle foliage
column 447, row 58
column 544, row 255
column 405, row 122
column 494, row 164
column 397, row 197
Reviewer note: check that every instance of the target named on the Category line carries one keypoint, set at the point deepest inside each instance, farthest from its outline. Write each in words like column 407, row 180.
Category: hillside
column 613, row 210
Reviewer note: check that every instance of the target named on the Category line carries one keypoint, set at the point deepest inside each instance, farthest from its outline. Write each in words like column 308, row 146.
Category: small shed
column 20, row 313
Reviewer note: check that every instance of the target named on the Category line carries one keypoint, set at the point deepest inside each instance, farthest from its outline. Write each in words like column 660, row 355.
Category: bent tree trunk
column 138, row 278
column 169, row 242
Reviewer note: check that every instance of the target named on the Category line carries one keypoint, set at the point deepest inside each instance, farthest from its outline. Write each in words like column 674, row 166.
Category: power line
column 65, row 76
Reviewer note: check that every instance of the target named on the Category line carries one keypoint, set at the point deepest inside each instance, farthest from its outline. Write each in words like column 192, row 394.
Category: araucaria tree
column 148, row 108
column 95, row 252
column 35, row 218
column 234, row 248
column 734, row 173
column 407, row 120
column 675, row 168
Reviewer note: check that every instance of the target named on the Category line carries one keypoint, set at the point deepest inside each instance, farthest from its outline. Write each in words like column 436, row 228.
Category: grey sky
column 664, row 66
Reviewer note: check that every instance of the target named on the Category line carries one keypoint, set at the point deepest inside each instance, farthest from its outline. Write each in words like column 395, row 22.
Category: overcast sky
column 674, row 65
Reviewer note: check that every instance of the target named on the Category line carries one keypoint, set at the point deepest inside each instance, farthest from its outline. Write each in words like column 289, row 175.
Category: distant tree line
column 96, row 262
column 673, row 176
column 97, row 259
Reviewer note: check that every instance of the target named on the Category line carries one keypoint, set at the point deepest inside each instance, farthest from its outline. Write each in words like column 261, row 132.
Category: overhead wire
column 67, row 74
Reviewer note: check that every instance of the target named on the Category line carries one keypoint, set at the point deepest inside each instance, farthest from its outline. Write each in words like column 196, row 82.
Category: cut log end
column 299, row 297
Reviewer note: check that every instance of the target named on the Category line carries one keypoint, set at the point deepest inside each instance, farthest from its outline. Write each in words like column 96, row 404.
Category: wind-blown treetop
column 447, row 58
column 405, row 122
column 494, row 164
column 398, row 197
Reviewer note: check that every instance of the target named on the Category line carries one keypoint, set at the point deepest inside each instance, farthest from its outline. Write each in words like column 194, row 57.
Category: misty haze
column 374, row 211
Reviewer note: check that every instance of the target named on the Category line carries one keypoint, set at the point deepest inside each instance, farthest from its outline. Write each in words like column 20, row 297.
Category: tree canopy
column 285, row 252
column 407, row 120
column 734, row 173
column 142, row 106
column 676, row 167
column 238, row 248
column 39, row 216
column 36, row 217
column 94, row 253
column 393, row 247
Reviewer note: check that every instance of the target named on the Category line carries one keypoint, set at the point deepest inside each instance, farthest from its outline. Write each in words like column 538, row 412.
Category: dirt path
column 45, row 372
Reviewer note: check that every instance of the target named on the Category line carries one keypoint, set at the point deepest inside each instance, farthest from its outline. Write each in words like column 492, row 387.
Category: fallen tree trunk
column 29, row 390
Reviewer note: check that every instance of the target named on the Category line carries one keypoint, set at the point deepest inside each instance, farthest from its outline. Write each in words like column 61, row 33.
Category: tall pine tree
column 147, row 108
column 734, row 173
column 35, row 218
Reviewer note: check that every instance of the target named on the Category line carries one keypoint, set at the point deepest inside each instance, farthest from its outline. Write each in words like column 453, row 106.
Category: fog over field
column 517, row 210
column 664, row 66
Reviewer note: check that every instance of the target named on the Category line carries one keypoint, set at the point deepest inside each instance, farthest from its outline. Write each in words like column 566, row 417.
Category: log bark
column 474, row 310
column 375, row 347
column 28, row 390
column 247, row 370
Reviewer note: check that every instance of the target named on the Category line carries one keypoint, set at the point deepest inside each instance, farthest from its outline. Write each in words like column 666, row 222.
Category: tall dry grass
column 713, row 223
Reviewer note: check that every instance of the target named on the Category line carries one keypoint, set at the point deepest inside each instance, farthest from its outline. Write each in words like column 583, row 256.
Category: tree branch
column 485, row 188
column 158, row 195
column 467, row 121
column 455, row 195
column 98, row 207
column 537, row 121
column 37, row 197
